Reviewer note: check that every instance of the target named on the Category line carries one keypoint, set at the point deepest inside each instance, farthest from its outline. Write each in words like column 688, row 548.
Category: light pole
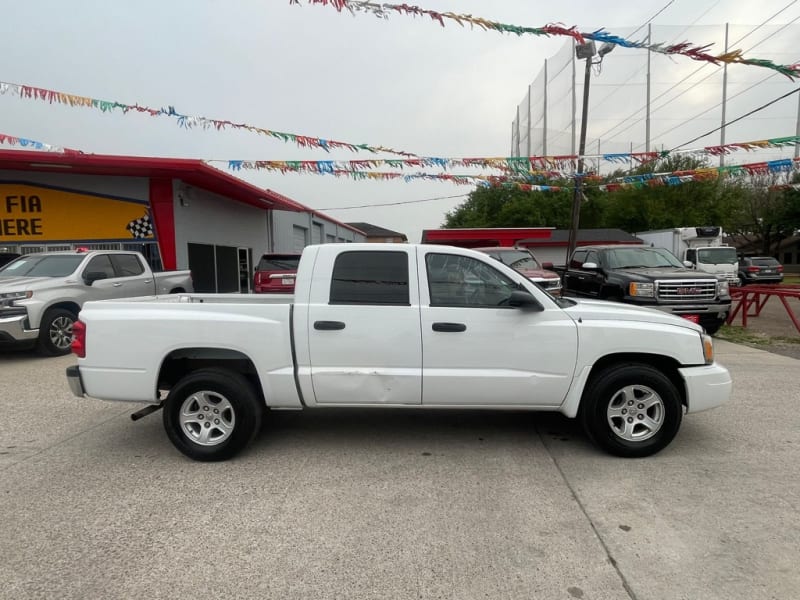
column 586, row 51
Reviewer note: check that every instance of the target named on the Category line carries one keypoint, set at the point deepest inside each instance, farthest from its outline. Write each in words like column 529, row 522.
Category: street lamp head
column 586, row 50
column 605, row 49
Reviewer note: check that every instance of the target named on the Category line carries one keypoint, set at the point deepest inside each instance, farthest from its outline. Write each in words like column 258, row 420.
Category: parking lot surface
column 399, row 504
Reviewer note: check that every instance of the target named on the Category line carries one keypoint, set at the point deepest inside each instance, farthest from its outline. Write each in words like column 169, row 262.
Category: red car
column 275, row 274
column 523, row 260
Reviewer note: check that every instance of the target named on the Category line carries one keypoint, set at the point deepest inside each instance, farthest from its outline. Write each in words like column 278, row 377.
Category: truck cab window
column 466, row 282
column 127, row 265
column 578, row 258
column 100, row 264
column 361, row 277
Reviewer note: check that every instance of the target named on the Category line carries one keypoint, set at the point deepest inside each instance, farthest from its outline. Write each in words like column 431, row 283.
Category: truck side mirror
column 547, row 265
column 688, row 264
column 525, row 301
column 589, row 266
column 92, row 276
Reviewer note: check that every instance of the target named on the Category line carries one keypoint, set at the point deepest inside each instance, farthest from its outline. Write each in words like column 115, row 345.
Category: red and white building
column 180, row 213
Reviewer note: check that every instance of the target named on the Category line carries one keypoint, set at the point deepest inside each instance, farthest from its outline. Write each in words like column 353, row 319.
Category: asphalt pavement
column 399, row 504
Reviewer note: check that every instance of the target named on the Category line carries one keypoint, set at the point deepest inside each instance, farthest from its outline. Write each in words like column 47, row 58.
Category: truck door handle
column 116, row 285
column 449, row 327
column 328, row 325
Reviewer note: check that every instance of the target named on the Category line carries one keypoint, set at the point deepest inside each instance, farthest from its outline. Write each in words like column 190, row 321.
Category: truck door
column 132, row 279
column 574, row 277
column 477, row 350
column 100, row 272
column 593, row 278
column 364, row 340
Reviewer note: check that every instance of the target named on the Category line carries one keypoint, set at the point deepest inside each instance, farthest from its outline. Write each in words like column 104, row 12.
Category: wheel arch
column 181, row 362
column 69, row 305
column 666, row 364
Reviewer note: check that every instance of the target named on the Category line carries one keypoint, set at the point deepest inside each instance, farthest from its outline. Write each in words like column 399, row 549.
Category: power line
column 396, row 203
column 755, row 110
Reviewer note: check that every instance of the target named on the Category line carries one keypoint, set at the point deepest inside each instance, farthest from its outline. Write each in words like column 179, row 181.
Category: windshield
column 637, row 257
column 274, row 262
column 516, row 259
column 42, row 266
column 716, row 256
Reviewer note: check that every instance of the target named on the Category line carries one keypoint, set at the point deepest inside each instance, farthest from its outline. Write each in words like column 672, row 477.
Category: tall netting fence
column 687, row 98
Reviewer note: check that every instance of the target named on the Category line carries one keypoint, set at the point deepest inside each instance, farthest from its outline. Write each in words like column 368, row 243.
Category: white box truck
column 700, row 248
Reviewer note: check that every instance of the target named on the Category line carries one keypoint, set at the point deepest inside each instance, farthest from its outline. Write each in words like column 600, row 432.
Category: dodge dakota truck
column 42, row 293
column 424, row 326
column 649, row 277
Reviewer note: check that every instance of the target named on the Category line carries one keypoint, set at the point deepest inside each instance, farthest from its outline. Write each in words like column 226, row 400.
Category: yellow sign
column 35, row 213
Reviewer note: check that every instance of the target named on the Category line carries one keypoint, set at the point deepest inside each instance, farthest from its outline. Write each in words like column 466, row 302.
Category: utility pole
column 586, row 51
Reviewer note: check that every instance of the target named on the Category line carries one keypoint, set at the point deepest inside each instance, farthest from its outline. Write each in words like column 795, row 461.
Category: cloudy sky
column 403, row 83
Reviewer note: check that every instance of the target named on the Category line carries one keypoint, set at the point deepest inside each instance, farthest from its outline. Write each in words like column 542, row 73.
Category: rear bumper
column 706, row 387
column 75, row 382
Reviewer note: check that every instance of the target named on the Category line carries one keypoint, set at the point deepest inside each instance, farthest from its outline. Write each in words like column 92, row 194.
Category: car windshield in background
column 516, row 259
column 279, row 263
column 42, row 266
column 717, row 256
column 631, row 258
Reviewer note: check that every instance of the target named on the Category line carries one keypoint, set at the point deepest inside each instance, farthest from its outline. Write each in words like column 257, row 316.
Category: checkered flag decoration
column 141, row 227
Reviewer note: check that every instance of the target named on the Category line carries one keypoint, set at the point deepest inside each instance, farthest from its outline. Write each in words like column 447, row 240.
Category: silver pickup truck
column 41, row 294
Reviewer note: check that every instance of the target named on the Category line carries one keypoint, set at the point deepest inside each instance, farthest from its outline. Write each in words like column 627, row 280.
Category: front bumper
column 75, row 382
column 12, row 329
column 706, row 386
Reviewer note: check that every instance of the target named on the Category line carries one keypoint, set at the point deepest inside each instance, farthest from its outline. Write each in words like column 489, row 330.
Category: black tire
column 605, row 413
column 714, row 328
column 742, row 280
column 55, row 332
column 195, row 398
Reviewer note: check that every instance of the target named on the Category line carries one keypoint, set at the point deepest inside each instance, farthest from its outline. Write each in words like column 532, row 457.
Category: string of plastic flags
column 11, row 140
column 528, row 167
column 697, row 52
column 184, row 121
column 546, row 166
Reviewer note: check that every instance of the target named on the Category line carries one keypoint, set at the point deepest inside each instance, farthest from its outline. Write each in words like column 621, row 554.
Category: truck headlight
column 641, row 289
column 9, row 298
column 724, row 288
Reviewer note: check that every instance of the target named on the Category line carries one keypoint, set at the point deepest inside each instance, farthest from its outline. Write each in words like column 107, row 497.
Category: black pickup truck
column 649, row 277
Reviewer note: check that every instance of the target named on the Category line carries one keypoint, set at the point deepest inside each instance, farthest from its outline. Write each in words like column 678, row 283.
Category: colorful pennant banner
column 545, row 166
column 695, row 52
column 11, row 140
column 185, row 121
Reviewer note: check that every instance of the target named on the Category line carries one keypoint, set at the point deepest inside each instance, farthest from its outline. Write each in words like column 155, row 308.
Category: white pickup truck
column 423, row 326
column 42, row 293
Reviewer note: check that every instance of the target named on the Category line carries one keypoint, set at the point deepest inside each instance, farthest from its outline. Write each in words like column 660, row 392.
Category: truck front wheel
column 212, row 414
column 631, row 410
column 55, row 332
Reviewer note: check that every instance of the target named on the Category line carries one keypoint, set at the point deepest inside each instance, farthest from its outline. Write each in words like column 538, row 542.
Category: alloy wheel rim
column 207, row 418
column 635, row 413
column 61, row 332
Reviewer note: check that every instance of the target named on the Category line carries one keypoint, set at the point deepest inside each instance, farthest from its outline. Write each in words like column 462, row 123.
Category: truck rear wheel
column 55, row 332
column 631, row 410
column 212, row 414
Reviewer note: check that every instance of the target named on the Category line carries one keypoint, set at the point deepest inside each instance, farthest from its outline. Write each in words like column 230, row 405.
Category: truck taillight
column 780, row 268
column 78, row 345
column 752, row 269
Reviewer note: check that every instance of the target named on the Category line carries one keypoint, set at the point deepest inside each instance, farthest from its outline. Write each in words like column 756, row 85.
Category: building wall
column 202, row 217
column 135, row 188
column 287, row 225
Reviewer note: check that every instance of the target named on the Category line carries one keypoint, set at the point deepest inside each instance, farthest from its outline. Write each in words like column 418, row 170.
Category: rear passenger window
column 127, row 265
column 370, row 278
